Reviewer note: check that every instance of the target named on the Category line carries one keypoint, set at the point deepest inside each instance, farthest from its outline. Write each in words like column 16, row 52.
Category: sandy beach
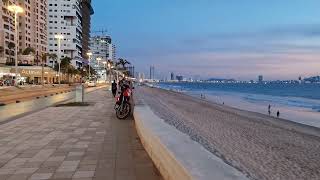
column 260, row 146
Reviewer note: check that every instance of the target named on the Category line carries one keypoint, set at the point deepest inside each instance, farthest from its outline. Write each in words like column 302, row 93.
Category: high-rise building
column 70, row 19
column 131, row 71
column 141, row 77
column 6, row 33
column 152, row 72
column 260, row 79
column 101, row 47
column 179, row 78
column 112, row 52
column 32, row 28
column 172, row 76
column 86, row 12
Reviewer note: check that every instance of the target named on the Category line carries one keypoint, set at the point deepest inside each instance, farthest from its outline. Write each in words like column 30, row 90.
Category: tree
column 11, row 46
column 53, row 57
column 28, row 51
column 122, row 62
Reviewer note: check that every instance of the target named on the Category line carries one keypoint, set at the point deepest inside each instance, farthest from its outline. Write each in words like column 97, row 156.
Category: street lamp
column 99, row 59
column 16, row 10
column 110, row 72
column 89, row 54
column 104, row 65
column 59, row 37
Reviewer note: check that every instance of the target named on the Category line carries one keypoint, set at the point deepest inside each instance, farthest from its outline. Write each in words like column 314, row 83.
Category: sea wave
column 288, row 101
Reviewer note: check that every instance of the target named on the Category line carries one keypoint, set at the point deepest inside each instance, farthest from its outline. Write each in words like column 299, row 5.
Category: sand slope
column 260, row 146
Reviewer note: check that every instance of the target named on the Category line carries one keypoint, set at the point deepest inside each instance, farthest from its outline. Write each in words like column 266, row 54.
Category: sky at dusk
column 279, row 39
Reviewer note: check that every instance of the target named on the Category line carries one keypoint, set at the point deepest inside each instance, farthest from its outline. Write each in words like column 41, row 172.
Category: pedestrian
column 278, row 114
column 269, row 109
column 114, row 88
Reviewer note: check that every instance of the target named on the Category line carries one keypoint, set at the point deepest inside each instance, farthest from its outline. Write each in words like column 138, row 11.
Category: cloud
column 242, row 66
column 278, row 53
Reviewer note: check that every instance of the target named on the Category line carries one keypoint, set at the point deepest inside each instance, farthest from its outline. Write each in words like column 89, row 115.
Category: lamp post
column 99, row 70
column 89, row 54
column 16, row 10
column 109, row 68
column 99, row 59
column 105, row 68
column 59, row 38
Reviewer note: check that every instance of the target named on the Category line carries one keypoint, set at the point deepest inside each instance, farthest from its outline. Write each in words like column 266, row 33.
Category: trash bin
column 79, row 93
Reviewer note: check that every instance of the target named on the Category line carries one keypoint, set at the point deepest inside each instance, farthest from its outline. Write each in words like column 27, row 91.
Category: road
column 13, row 94
column 14, row 110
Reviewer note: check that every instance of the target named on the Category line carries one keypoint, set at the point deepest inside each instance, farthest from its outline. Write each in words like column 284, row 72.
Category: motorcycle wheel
column 124, row 111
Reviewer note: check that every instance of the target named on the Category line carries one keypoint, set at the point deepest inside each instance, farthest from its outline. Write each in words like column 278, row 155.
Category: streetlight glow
column 15, row 9
column 58, row 36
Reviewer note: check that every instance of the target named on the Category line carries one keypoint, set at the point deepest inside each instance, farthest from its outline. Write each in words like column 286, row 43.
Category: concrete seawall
column 176, row 156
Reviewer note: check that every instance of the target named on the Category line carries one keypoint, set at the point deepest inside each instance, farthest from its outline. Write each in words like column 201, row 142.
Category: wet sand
column 260, row 146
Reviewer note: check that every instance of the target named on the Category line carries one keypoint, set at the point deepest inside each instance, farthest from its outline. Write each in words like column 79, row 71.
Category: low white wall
column 176, row 156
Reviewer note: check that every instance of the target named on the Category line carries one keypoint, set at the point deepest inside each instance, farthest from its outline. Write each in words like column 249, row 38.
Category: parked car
column 91, row 84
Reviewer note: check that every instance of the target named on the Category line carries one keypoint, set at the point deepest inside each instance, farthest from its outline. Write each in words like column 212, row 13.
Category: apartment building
column 66, row 18
column 32, row 29
column 112, row 52
column 6, row 32
column 102, row 47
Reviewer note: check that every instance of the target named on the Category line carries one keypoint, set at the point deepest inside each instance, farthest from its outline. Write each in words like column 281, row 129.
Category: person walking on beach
column 278, row 114
column 269, row 109
column 114, row 88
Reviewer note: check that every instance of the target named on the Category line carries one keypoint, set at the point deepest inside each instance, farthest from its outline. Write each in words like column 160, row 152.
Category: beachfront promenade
column 81, row 143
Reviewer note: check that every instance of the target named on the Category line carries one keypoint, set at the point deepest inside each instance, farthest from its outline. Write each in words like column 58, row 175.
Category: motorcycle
column 123, row 106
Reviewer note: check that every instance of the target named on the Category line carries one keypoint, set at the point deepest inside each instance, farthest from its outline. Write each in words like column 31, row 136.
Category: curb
column 176, row 156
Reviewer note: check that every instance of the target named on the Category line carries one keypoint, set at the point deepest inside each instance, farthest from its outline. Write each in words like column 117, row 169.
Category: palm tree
column 11, row 46
column 122, row 62
column 64, row 65
column 28, row 51
column 53, row 57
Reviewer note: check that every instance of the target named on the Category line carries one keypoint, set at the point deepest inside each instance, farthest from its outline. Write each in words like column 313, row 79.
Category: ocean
column 296, row 102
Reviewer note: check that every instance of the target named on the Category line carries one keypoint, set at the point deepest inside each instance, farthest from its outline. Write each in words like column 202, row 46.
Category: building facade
column 172, row 76
column 71, row 19
column 32, row 29
column 260, row 78
column 86, row 12
column 6, row 32
column 99, row 47
column 102, row 47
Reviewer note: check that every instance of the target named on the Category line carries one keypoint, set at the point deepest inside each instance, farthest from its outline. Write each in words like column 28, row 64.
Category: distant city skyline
column 276, row 39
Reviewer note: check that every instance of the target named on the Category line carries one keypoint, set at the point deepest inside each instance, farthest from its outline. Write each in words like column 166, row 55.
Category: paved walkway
column 74, row 143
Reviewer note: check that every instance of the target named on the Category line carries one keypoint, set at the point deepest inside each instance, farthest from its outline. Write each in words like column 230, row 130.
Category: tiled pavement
column 74, row 143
